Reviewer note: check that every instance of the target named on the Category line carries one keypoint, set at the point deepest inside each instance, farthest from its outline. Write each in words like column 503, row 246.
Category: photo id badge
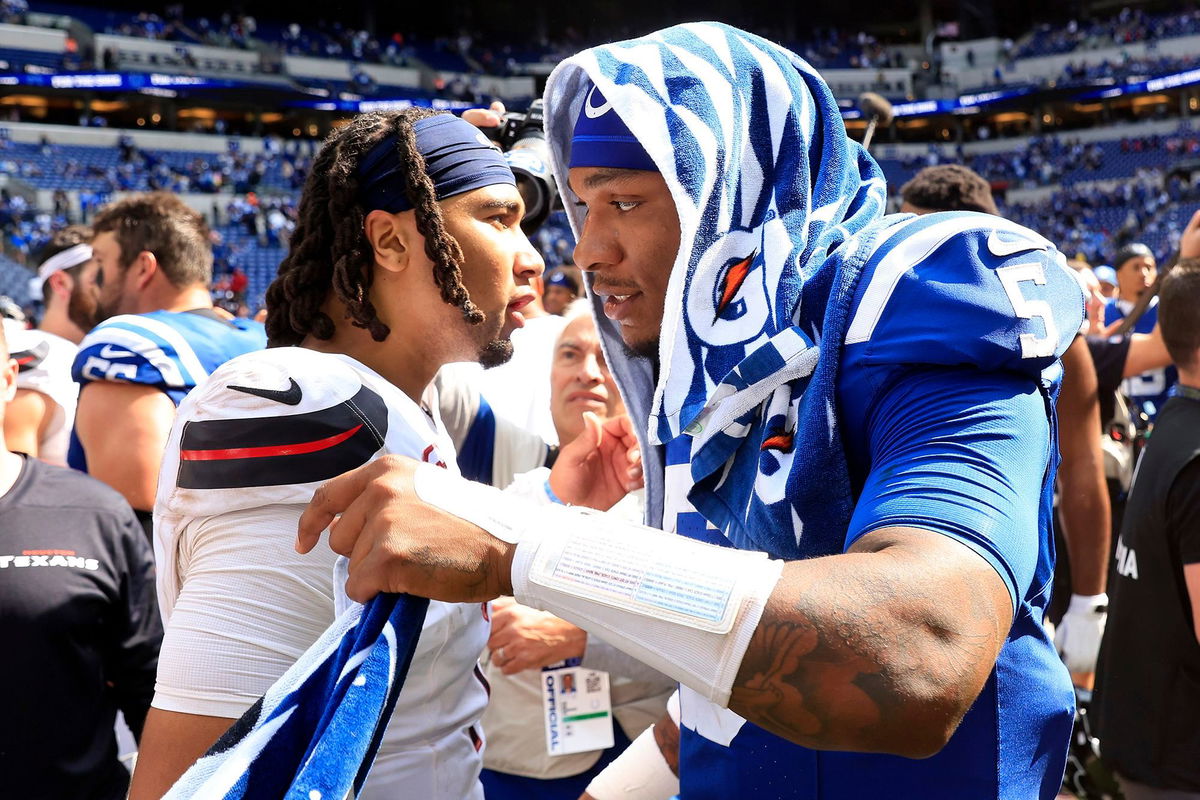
column 577, row 709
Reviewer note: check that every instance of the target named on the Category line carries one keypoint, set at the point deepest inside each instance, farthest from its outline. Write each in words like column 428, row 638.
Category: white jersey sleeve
column 249, row 606
column 248, row 448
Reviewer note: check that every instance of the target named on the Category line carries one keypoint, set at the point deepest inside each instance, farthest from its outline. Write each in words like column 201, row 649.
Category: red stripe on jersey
column 296, row 449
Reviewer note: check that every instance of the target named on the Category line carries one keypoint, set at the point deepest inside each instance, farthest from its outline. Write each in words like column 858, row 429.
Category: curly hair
column 329, row 248
column 950, row 187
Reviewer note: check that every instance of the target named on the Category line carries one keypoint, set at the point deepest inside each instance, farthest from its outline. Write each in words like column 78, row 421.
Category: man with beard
column 853, row 413
column 38, row 420
column 408, row 254
column 158, row 337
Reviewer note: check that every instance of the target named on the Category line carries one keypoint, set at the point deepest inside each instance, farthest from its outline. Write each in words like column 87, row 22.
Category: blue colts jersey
column 1150, row 390
column 945, row 400
column 171, row 351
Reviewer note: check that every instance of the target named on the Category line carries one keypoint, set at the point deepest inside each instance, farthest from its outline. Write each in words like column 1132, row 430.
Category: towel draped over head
column 773, row 200
column 751, row 143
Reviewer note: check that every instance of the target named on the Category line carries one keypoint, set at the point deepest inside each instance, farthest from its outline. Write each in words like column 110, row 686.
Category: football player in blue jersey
column 158, row 337
column 1136, row 270
column 853, row 413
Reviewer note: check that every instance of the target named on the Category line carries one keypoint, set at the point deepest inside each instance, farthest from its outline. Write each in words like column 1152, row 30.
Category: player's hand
column 398, row 543
column 1189, row 240
column 602, row 464
column 1078, row 634
column 525, row 638
column 491, row 117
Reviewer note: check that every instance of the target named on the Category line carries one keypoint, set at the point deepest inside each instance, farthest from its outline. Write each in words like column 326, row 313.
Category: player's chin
column 495, row 352
column 638, row 345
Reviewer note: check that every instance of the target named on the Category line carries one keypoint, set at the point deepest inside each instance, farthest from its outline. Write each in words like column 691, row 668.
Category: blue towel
column 777, row 211
column 314, row 734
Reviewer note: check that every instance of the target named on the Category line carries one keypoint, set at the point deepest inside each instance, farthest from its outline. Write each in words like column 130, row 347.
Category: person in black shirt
column 80, row 624
column 1147, row 702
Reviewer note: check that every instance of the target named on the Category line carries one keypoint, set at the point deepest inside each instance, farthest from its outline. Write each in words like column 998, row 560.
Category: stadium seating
column 14, row 280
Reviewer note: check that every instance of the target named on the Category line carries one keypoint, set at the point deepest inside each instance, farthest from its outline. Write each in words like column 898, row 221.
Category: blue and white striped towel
column 314, row 734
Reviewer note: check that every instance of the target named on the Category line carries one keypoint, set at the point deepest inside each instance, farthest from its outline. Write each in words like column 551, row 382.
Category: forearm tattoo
column 853, row 658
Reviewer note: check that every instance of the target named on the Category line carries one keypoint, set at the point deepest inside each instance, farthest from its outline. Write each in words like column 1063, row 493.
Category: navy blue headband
column 602, row 139
column 458, row 158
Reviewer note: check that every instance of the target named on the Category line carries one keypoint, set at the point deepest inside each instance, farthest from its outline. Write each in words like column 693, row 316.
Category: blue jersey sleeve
column 964, row 289
column 138, row 349
column 961, row 453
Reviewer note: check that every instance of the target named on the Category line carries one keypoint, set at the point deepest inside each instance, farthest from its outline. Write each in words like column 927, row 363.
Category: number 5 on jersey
column 1011, row 277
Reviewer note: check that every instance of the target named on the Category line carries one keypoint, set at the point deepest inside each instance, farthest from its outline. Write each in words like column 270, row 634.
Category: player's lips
column 514, row 308
column 618, row 306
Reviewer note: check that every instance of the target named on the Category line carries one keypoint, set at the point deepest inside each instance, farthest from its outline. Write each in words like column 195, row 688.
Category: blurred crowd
column 1127, row 26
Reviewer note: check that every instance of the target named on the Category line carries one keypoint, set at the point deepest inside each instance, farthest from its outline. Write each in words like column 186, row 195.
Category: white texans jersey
column 44, row 362
column 248, row 449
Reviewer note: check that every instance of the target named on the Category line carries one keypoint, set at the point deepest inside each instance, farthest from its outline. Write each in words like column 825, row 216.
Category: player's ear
column 393, row 238
column 145, row 267
column 60, row 284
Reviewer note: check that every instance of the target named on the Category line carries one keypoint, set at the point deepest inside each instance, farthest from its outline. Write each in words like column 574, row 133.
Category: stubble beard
column 646, row 350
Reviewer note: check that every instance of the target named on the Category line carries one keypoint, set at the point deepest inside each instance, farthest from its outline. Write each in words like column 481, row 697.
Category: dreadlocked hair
column 329, row 247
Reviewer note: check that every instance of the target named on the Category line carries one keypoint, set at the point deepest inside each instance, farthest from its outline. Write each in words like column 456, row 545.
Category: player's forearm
column 1147, row 351
column 852, row 653
column 1087, row 525
column 1083, row 495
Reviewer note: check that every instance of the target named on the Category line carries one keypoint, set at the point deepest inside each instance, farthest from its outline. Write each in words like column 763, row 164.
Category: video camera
column 522, row 138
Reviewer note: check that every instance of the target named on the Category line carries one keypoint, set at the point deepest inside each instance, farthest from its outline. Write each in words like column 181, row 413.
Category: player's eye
column 625, row 205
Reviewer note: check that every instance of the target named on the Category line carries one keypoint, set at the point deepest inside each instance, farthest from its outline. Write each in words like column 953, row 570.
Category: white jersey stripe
column 183, row 349
column 908, row 255
column 147, row 348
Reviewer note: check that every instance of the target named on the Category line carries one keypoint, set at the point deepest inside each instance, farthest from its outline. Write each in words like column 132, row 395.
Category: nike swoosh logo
column 1016, row 244
column 108, row 351
column 290, row 396
column 595, row 111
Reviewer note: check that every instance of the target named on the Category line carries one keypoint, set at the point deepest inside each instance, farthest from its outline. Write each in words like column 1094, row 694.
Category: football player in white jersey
column 39, row 418
column 408, row 255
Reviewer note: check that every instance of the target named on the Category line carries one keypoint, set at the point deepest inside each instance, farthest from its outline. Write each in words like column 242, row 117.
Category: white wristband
column 640, row 773
column 685, row 608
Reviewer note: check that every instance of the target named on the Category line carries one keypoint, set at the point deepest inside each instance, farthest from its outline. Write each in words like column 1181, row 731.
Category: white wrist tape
column 685, row 608
column 640, row 773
